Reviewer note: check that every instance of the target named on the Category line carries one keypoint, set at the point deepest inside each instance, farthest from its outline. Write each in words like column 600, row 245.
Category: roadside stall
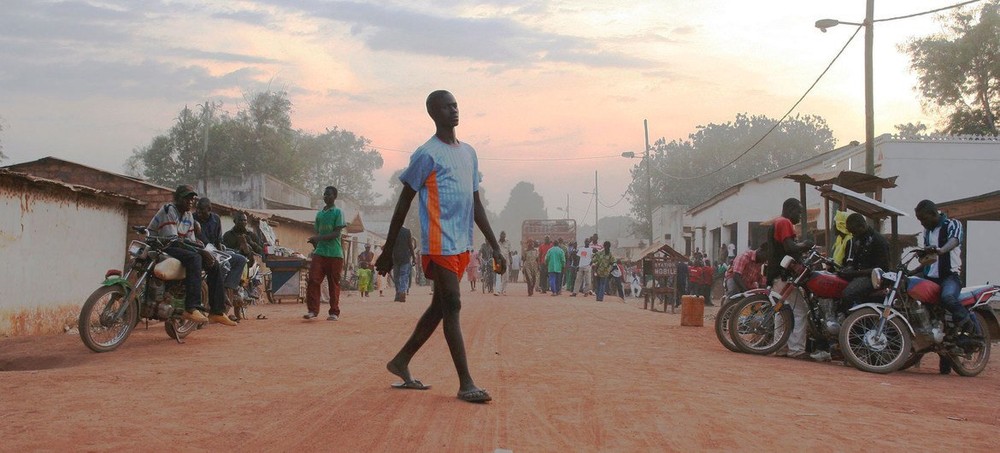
column 659, row 266
column 873, row 209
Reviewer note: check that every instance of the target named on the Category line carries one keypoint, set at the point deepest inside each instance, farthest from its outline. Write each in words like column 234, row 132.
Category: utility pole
column 869, row 91
column 649, row 190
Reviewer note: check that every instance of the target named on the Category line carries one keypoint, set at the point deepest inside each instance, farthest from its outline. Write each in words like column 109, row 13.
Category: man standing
column 499, row 286
column 602, row 269
column 515, row 265
column 327, row 257
column 680, row 283
column 585, row 255
column 211, row 233
column 530, row 266
column 402, row 259
column 543, row 269
column 555, row 260
column 174, row 220
column 783, row 242
column 445, row 171
column 943, row 238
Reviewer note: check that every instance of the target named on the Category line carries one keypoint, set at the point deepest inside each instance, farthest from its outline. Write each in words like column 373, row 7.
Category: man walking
column 499, row 282
column 445, row 173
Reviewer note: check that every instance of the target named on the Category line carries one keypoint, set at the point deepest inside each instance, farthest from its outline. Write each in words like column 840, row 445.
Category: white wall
column 55, row 250
column 946, row 170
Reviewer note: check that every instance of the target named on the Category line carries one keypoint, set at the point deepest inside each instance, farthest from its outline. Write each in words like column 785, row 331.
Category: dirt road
column 566, row 374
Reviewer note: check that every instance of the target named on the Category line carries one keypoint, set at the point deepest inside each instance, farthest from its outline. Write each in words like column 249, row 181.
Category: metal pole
column 649, row 190
column 869, row 93
column 596, row 202
column 204, row 156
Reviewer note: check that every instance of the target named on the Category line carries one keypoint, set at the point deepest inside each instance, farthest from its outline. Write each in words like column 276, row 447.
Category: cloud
column 495, row 40
column 245, row 16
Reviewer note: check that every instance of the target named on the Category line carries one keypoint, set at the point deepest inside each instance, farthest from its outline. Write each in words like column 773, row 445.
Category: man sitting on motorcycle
column 175, row 220
column 211, row 233
column 943, row 238
column 869, row 250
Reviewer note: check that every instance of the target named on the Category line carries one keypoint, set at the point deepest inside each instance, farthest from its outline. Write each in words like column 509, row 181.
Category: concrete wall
column 56, row 245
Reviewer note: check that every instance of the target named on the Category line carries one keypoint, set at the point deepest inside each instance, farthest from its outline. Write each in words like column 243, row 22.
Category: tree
column 959, row 69
column 911, row 130
column 523, row 203
column 258, row 139
column 342, row 159
column 687, row 172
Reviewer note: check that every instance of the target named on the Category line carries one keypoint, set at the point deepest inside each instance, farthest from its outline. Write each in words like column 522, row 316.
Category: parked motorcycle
column 761, row 323
column 726, row 309
column 151, row 288
column 249, row 291
column 910, row 322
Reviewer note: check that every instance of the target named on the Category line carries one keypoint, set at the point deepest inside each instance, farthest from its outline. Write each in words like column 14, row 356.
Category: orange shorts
column 454, row 263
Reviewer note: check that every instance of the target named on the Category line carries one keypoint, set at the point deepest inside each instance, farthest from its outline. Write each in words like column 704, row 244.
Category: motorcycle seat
column 971, row 294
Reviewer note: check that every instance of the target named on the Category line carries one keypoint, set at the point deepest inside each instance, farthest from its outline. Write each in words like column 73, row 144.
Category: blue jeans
column 553, row 282
column 237, row 263
column 951, row 287
column 602, row 287
column 191, row 260
column 401, row 277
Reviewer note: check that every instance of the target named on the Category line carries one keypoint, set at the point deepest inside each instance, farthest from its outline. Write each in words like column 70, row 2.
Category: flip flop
column 411, row 385
column 475, row 396
column 261, row 316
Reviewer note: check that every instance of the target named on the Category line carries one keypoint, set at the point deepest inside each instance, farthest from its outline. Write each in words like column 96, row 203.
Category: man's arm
column 797, row 247
column 384, row 263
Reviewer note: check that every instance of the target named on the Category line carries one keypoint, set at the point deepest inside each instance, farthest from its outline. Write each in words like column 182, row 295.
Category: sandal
column 261, row 316
column 475, row 396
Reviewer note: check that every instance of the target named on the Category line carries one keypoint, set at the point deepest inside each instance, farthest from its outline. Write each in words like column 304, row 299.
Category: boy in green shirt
column 327, row 257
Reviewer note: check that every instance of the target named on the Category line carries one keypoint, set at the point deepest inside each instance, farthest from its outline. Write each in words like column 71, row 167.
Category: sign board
column 663, row 268
column 536, row 229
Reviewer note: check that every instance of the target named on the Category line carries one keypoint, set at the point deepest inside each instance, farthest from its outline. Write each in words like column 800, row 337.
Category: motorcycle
column 762, row 322
column 727, row 304
column 249, row 291
column 151, row 288
column 910, row 322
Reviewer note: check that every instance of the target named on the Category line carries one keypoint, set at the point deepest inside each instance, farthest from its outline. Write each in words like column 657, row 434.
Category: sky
column 549, row 91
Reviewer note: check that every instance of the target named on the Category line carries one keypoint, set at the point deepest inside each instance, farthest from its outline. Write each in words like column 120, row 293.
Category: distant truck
column 537, row 229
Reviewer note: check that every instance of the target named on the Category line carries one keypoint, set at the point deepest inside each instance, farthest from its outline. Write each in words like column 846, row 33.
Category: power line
column 513, row 159
column 957, row 5
column 615, row 203
column 778, row 123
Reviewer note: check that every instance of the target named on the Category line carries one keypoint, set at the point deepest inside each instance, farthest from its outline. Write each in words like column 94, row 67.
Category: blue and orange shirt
column 445, row 178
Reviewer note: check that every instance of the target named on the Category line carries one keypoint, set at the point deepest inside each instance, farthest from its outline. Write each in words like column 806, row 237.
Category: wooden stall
column 659, row 266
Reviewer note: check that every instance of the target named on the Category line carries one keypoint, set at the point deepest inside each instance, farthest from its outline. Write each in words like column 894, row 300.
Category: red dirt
column 566, row 374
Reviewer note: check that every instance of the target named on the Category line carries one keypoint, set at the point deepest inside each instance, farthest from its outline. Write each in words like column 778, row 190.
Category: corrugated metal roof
column 43, row 182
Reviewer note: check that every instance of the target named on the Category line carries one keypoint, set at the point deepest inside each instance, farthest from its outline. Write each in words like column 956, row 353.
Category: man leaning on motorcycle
column 211, row 233
column 176, row 220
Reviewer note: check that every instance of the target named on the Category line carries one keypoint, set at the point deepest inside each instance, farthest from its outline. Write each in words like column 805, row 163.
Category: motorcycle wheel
column 722, row 325
column 975, row 364
column 864, row 350
column 756, row 328
column 100, row 327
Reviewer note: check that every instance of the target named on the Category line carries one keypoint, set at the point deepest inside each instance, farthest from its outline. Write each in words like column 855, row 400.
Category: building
column 933, row 167
column 57, row 240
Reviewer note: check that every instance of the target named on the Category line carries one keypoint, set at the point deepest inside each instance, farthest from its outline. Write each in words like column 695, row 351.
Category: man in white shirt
column 586, row 254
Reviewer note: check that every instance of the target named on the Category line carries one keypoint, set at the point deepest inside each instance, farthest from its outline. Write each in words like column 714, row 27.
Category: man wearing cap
column 175, row 220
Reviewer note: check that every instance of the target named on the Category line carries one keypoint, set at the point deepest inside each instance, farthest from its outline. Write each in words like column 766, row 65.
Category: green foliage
column 684, row 172
column 2, row 155
column 258, row 139
column 959, row 69
column 911, row 130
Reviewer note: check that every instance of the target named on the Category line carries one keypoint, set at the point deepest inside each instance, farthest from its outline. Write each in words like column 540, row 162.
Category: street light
column 822, row 25
column 649, row 190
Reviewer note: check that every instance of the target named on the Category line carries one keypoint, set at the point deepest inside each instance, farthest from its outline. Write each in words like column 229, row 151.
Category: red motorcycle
column 910, row 322
column 762, row 323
